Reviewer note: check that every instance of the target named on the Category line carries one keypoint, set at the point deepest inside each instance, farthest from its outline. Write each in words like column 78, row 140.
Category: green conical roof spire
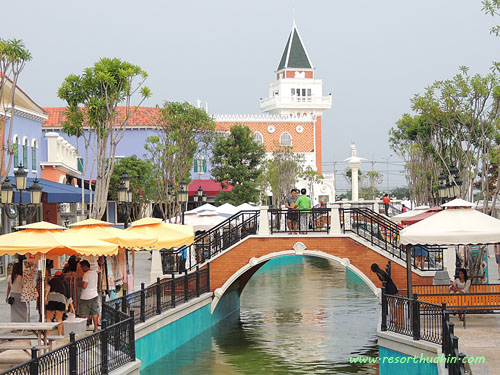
column 295, row 54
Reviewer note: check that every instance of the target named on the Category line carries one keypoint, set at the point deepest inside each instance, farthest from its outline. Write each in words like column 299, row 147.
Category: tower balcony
column 296, row 102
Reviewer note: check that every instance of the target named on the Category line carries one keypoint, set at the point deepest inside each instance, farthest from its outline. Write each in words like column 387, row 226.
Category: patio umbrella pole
column 42, row 297
column 409, row 275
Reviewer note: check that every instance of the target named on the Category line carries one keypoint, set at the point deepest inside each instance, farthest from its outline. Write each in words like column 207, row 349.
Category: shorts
column 55, row 306
column 497, row 258
column 293, row 215
column 419, row 251
column 88, row 307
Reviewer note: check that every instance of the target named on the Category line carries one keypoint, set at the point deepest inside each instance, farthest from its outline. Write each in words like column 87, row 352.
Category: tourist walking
column 387, row 202
column 88, row 306
column 304, row 205
column 57, row 299
column 292, row 215
column 18, row 308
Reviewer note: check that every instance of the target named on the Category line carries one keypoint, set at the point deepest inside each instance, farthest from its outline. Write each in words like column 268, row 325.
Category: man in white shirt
column 88, row 306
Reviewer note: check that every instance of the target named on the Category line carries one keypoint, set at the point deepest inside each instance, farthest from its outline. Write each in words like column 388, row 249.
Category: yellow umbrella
column 103, row 231
column 47, row 238
column 168, row 235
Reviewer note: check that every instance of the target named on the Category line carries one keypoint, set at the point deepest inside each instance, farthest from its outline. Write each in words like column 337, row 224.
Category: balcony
column 296, row 102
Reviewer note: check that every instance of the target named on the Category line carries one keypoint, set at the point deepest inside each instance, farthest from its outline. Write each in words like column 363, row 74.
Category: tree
column 456, row 123
column 312, row 177
column 281, row 173
column 492, row 7
column 142, row 183
column 237, row 162
column 92, row 100
column 400, row 192
column 13, row 59
column 367, row 182
column 184, row 132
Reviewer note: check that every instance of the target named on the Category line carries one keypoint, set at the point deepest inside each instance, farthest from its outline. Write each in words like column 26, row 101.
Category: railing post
column 186, row 286
column 197, row 281
column 124, row 304
column 460, row 362
column 208, row 277
column 264, row 221
column 388, row 268
column 416, row 318
column 131, row 335
column 143, row 303
column 158, row 296
column 172, row 294
column 104, row 347
column 116, row 317
column 383, row 326
column 73, row 370
column 334, row 228
column 34, row 364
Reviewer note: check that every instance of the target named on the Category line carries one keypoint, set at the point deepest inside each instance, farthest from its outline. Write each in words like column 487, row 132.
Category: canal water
column 304, row 315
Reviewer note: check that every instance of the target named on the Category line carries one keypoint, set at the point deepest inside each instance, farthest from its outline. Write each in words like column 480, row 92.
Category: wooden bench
column 13, row 336
column 482, row 298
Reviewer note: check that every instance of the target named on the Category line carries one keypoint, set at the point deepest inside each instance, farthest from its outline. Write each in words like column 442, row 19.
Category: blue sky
column 372, row 55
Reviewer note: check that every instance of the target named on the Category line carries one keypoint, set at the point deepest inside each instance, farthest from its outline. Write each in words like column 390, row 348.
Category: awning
column 422, row 216
column 53, row 191
column 212, row 188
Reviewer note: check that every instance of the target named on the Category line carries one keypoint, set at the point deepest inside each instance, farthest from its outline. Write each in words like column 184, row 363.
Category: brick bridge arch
column 244, row 259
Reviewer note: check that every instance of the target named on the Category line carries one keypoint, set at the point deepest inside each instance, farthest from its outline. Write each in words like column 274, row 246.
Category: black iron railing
column 300, row 221
column 99, row 353
column 423, row 321
column 207, row 245
column 161, row 296
column 384, row 234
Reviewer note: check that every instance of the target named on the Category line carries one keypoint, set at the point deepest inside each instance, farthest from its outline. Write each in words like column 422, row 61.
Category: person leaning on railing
column 460, row 285
column 390, row 289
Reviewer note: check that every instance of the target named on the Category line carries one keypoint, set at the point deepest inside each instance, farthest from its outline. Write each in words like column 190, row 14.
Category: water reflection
column 302, row 318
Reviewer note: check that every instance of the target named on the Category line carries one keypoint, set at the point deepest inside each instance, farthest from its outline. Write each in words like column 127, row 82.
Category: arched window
column 34, row 146
column 25, row 152
column 258, row 138
column 15, row 145
column 285, row 139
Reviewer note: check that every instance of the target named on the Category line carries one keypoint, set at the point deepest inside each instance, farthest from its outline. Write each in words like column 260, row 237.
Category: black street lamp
column 198, row 197
column 21, row 209
column 125, row 197
column 183, row 197
column 449, row 186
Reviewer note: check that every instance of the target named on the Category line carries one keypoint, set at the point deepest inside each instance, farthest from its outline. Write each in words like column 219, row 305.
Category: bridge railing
column 210, row 243
column 423, row 321
column 303, row 221
column 384, row 234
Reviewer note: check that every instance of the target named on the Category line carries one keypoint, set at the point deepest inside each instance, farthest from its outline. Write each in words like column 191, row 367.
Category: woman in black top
column 390, row 287
column 56, row 299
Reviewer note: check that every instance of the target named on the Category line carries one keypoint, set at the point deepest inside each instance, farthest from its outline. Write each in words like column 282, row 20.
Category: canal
column 299, row 315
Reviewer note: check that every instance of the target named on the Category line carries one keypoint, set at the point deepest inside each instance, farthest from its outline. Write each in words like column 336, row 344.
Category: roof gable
column 295, row 54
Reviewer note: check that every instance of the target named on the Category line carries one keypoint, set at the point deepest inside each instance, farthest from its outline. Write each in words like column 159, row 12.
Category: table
column 40, row 329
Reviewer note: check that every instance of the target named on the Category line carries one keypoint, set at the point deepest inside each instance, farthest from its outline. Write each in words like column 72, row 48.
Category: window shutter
column 195, row 165
column 204, row 166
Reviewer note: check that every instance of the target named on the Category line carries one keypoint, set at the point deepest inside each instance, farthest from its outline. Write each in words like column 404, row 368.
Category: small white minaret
column 354, row 162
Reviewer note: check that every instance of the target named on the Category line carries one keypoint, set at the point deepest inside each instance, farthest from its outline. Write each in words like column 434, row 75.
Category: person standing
column 304, row 204
column 56, row 300
column 88, row 306
column 292, row 215
column 387, row 202
column 497, row 257
column 18, row 308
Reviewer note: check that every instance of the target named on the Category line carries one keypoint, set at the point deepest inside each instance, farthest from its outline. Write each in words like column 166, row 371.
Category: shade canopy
column 38, row 239
column 202, row 208
column 227, row 208
column 453, row 227
column 408, row 214
column 205, row 220
column 246, row 207
column 168, row 235
column 421, row 216
column 458, row 203
column 103, row 231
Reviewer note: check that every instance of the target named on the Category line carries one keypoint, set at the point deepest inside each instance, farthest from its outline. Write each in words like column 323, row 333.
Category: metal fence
column 384, row 234
column 303, row 221
column 423, row 321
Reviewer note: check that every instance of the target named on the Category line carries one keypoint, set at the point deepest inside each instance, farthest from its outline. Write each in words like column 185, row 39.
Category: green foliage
column 281, row 173
column 400, row 192
column 237, row 161
column 92, row 99
column 492, row 8
column 142, row 182
column 184, row 132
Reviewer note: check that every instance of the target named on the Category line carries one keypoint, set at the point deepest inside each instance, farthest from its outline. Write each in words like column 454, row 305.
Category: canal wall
column 399, row 354
column 164, row 333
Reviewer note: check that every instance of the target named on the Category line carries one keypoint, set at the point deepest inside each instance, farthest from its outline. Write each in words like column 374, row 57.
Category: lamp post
column 449, row 186
column 199, row 197
column 125, row 197
column 183, row 197
column 21, row 176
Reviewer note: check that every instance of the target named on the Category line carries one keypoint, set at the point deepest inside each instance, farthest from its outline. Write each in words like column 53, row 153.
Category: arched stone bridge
column 239, row 263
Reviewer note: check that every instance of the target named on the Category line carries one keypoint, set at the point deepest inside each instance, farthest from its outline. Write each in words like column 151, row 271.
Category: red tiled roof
column 212, row 188
column 144, row 116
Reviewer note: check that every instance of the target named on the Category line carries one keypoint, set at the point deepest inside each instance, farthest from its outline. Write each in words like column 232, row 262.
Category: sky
column 373, row 56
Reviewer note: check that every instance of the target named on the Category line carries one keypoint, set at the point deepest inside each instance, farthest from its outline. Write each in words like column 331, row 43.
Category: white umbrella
column 205, row 207
column 227, row 209
column 459, row 226
column 204, row 221
column 246, row 207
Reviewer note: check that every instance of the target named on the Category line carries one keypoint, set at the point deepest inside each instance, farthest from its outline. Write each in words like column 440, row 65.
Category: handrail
column 423, row 321
column 208, row 244
column 383, row 233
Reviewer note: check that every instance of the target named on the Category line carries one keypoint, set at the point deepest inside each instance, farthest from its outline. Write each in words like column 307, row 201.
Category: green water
column 305, row 318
